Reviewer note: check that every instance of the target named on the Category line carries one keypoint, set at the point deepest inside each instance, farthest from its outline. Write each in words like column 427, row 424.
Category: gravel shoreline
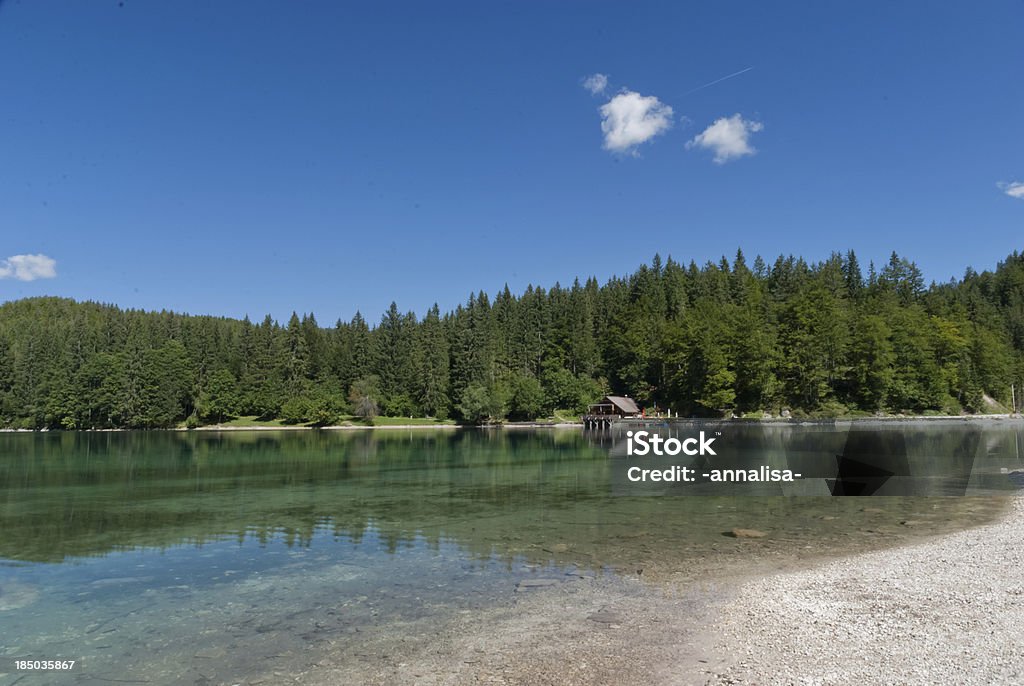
column 949, row 610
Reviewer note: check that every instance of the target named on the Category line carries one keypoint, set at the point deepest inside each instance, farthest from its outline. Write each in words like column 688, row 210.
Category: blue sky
column 234, row 158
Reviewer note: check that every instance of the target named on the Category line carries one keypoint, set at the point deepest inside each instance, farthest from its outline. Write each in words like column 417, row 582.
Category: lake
column 225, row 557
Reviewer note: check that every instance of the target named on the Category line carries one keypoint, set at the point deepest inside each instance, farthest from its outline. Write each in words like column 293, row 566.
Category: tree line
column 815, row 338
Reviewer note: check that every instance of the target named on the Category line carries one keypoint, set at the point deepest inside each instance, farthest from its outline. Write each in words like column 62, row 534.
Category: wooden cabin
column 610, row 408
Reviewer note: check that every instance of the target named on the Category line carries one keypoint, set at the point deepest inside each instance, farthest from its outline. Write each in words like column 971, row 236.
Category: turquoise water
column 207, row 558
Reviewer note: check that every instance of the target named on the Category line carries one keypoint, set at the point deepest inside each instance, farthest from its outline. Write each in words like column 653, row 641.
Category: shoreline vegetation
column 396, row 423
column 812, row 340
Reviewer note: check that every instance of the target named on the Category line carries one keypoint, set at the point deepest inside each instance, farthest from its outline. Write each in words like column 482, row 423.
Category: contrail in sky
column 724, row 78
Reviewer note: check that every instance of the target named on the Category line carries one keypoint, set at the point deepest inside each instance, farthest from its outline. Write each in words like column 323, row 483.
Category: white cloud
column 596, row 83
column 728, row 137
column 630, row 119
column 1014, row 189
column 28, row 267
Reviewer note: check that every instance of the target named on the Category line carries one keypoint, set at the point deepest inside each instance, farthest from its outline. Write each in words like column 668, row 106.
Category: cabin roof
column 624, row 404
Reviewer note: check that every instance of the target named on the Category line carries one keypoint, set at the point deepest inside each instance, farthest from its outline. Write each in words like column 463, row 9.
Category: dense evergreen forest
column 822, row 339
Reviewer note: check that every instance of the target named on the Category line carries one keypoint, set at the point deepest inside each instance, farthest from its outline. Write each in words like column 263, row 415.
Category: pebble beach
column 944, row 611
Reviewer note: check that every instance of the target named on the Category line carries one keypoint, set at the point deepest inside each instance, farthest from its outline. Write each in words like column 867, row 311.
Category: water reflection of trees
column 81, row 493
column 503, row 493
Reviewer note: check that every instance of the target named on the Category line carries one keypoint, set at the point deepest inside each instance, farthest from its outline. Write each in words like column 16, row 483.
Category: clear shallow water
column 212, row 558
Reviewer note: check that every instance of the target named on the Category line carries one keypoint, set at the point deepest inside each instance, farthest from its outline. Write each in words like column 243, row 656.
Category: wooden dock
column 599, row 421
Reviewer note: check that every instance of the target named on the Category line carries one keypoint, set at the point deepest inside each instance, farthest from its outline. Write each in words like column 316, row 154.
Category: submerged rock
column 605, row 617
column 747, row 533
column 527, row 584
